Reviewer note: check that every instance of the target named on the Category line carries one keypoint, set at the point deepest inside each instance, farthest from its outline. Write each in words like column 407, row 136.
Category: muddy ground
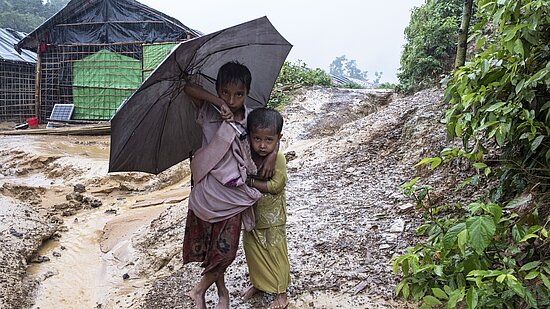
column 74, row 236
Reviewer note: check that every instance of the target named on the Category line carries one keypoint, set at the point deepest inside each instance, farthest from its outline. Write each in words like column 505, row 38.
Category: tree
column 430, row 46
column 337, row 65
column 342, row 66
column 27, row 15
column 463, row 33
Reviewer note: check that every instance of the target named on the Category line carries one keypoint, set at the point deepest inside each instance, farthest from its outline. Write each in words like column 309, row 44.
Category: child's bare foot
column 248, row 292
column 223, row 299
column 198, row 297
column 280, row 302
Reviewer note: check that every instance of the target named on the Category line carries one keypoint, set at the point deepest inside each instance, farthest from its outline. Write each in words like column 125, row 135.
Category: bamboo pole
column 38, row 84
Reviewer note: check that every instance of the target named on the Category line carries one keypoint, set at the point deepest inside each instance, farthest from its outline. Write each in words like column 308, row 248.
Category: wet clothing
column 220, row 168
column 213, row 244
column 265, row 247
column 219, row 199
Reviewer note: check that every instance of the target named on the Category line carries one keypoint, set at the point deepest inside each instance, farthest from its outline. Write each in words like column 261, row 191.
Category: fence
column 96, row 78
column 17, row 91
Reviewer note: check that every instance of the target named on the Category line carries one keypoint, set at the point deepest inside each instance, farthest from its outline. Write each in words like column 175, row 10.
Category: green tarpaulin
column 102, row 81
column 153, row 55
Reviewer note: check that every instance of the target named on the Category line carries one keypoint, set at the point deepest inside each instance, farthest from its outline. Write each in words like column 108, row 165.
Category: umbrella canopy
column 155, row 128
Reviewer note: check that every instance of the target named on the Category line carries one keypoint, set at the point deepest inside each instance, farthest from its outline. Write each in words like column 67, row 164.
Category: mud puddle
column 88, row 264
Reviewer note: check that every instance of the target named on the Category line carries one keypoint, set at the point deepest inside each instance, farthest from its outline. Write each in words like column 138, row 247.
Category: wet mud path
column 117, row 244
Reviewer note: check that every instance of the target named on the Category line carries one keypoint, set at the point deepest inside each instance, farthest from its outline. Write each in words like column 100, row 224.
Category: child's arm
column 201, row 96
column 277, row 183
column 267, row 170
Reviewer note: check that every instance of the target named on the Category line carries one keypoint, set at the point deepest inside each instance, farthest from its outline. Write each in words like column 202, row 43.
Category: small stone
column 79, row 188
column 95, row 202
column 40, row 259
column 125, row 276
column 15, row 233
column 406, row 207
column 397, row 226
column 56, row 254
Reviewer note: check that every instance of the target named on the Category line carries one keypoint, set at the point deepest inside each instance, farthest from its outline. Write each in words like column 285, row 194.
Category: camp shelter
column 17, row 78
column 95, row 53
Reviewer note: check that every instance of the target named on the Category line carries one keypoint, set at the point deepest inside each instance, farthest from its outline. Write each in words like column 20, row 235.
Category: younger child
column 265, row 246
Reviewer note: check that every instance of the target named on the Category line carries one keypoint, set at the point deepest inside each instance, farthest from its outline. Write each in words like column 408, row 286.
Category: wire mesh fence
column 17, row 91
column 96, row 78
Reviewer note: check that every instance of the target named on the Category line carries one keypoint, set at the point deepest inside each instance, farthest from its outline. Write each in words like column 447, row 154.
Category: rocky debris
column 80, row 188
column 77, row 201
column 25, row 194
column 22, row 231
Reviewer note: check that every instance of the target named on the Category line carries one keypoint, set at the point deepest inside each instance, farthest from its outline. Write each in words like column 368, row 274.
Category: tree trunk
column 463, row 33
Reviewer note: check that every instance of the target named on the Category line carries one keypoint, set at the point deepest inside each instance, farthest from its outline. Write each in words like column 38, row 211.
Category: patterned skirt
column 213, row 244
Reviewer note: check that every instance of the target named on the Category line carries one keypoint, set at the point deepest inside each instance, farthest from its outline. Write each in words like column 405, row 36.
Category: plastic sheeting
column 8, row 38
column 102, row 81
column 107, row 21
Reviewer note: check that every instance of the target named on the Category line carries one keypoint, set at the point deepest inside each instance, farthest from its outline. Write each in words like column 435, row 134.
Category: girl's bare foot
column 248, row 292
column 280, row 302
column 198, row 297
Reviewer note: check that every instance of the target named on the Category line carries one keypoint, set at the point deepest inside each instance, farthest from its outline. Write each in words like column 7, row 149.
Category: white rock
column 397, row 226
column 406, row 206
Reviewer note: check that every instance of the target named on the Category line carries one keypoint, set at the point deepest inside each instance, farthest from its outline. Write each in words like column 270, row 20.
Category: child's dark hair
column 233, row 72
column 265, row 118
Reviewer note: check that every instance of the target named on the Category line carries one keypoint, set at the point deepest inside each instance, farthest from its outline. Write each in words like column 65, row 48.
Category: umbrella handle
column 242, row 134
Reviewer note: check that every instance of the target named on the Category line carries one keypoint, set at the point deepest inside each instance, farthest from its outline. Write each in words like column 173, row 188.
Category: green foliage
column 386, row 85
column 295, row 75
column 430, row 46
column 482, row 256
column 26, row 15
column 492, row 253
column 352, row 85
column 503, row 95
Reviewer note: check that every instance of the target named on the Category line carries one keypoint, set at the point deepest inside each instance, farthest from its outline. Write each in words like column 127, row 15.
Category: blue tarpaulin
column 8, row 39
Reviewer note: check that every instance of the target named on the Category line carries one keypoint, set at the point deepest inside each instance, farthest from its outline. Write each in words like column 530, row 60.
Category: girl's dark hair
column 233, row 72
column 265, row 118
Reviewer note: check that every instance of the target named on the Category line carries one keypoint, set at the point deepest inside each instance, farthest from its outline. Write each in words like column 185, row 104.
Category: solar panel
column 62, row 112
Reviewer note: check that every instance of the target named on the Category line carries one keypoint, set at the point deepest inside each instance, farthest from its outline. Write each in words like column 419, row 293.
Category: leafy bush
column 386, row 85
column 295, row 75
column 352, row 85
column 492, row 253
column 430, row 46
column 481, row 257
column 503, row 94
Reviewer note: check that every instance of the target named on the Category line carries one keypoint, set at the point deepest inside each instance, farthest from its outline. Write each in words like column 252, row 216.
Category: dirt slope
column 348, row 150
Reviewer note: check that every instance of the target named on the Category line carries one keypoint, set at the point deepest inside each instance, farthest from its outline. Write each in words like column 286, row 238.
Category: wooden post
column 38, row 84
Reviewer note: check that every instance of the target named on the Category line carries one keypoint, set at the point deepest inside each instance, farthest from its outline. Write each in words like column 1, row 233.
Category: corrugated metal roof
column 8, row 38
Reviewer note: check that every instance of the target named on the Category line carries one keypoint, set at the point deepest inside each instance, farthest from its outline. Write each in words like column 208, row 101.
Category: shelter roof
column 107, row 21
column 8, row 39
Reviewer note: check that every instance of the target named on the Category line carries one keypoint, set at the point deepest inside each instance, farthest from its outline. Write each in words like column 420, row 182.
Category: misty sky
column 367, row 31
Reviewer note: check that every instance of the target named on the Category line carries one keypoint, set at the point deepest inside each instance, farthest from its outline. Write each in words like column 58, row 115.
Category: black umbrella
column 155, row 128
